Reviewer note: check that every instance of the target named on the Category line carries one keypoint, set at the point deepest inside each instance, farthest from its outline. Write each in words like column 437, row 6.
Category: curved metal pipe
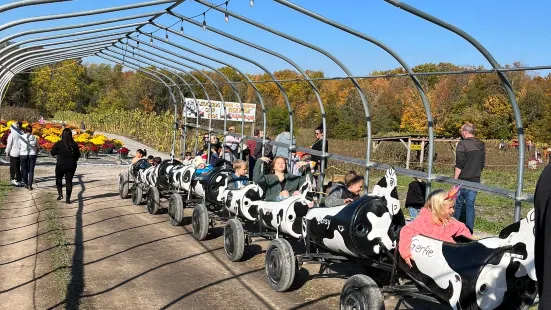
column 46, row 51
column 84, row 13
column 73, row 34
column 58, row 43
column 425, row 101
column 289, row 61
column 259, row 96
column 183, row 97
column 210, row 105
column 174, row 102
column 288, row 104
column 19, row 58
column 504, row 81
column 216, row 71
column 74, row 26
column 328, row 55
column 18, row 4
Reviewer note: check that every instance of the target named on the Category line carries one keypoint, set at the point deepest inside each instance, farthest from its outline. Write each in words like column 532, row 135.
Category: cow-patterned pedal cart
column 170, row 179
column 490, row 273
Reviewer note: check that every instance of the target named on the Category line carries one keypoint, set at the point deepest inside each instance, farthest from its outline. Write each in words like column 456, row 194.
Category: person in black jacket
column 542, row 232
column 318, row 146
column 470, row 159
column 415, row 198
column 67, row 153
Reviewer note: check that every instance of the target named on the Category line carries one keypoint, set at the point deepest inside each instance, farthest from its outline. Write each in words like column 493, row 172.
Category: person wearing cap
column 317, row 146
column 201, row 166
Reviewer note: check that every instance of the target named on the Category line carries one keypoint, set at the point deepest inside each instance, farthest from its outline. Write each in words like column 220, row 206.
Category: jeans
column 27, row 168
column 413, row 212
column 466, row 198
column 15, row 168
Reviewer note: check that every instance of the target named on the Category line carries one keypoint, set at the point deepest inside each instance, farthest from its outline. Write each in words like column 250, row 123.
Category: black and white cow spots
column 239, row 201
column 491, row 273
column 360, row 227
column 387, row 187
column 180, row 177
column 284, row 216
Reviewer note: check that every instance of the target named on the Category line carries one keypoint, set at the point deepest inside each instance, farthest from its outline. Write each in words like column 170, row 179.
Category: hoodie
column 281, row 151
column 470, row 157
column 12, row 148
column 424, row 225
column 28, row 144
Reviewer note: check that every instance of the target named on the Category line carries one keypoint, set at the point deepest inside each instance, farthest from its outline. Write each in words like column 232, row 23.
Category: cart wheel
column 153, row 201
column 362, row 293
column 123, row 185
column 280, row 264
column 200, row 222
column 176, row 209
column 234, row 240
column 137, row 194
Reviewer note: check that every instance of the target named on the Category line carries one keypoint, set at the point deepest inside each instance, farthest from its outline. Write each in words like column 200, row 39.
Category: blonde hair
column 239, row 164
column 437, row 204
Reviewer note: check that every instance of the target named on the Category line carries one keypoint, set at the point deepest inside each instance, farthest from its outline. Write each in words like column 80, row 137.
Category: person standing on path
column 470, row 159
column 28, row 148
column 542, row 232
column 67, row 153
column 12, row 150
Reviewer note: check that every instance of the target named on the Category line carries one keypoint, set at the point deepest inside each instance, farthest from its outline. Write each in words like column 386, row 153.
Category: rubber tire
column 234, row 240
column 362, row 293
column 153, row 201
column 137, row 194
column 200, row 222
column 176, row 209
column 280, row 265
column 123, row 185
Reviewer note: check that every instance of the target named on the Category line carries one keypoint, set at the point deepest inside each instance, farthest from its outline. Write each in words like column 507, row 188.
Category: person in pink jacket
column 435, row 220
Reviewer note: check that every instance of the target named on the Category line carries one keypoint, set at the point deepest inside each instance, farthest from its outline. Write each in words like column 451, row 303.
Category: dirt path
column 124, row 258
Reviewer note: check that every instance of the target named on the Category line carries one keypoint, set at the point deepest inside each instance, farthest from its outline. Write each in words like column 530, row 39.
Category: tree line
column 394, row 103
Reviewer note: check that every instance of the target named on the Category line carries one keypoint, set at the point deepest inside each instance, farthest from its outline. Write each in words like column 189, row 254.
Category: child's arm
column 462, row 230
column 406, row 234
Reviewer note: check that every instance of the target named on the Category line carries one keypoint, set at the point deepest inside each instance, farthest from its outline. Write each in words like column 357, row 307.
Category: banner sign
column 217, row 113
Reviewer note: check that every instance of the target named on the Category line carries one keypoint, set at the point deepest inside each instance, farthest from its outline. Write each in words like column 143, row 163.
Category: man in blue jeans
column 470, row 158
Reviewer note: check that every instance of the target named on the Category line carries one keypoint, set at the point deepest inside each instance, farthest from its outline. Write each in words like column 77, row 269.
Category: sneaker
column 14, row 182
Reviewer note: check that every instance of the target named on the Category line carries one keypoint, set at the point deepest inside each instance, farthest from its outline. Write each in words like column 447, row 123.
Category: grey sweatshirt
column 28, row 144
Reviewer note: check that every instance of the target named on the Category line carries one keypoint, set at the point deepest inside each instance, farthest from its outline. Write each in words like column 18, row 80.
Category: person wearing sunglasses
column 435, row 220
column 317, row 146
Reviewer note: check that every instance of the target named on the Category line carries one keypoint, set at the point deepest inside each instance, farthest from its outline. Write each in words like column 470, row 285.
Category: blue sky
column 511, row 30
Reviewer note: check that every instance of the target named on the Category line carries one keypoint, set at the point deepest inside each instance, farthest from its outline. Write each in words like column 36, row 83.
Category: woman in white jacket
column 28, row 148
column 12, row 150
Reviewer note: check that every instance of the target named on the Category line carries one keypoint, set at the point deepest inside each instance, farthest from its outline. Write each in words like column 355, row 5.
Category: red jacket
column 424, row 225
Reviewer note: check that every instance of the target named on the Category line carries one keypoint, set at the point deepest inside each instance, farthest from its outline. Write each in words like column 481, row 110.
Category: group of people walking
column 22, row 148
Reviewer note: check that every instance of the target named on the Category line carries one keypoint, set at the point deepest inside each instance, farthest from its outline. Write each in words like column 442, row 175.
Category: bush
column 17, row 113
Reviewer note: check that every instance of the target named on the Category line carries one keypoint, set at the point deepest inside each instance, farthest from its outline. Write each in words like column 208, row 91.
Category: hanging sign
column 215, row 110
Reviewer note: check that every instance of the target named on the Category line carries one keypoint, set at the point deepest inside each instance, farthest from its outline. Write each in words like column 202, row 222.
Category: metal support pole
column 504, row 81
column 289, row 61
column 84, row 13
column 259, row 96
column 18, row 4
column 330, row 56
column 426, row 104
column 288, row 104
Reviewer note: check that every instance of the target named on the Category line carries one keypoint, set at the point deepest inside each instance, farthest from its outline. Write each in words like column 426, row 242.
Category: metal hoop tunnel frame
column 24, row 57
